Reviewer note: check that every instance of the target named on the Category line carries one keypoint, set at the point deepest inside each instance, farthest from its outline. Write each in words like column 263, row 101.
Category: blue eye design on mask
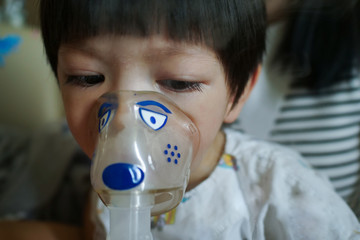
column 151, row 118
column 104, row 115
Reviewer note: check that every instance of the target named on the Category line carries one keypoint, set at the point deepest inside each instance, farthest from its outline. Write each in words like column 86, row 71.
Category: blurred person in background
column 308, row 94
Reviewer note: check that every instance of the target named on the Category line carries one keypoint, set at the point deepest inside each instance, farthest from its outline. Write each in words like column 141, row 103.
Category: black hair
column 234, row 29
column 321, row 45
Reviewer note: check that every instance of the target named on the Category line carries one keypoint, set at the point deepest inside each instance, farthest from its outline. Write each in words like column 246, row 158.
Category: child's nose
column 136, row 79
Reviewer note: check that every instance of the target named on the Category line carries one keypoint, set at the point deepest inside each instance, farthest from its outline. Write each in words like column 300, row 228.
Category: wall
column 29, row 95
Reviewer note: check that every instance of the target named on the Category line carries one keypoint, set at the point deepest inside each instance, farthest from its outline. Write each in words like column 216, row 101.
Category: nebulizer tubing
column 132, row 222
column 141, row 165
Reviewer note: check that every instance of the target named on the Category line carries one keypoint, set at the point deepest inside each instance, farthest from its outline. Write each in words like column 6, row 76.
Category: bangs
column 194, row 21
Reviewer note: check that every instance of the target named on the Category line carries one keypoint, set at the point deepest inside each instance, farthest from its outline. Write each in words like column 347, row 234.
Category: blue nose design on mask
column 122, row 176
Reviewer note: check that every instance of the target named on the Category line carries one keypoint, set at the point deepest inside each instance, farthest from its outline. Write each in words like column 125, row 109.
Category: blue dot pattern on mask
column 171, row 153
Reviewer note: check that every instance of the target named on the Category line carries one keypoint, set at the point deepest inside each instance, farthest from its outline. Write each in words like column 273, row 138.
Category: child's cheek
column 83, row 128
column 91, row 134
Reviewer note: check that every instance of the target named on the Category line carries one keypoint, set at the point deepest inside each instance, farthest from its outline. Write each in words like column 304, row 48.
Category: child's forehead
column 151, row 46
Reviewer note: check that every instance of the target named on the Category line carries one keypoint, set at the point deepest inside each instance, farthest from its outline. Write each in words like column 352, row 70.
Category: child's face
column 191, row 75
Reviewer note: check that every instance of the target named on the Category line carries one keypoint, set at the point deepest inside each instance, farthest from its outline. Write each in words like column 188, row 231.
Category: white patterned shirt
column 258, row 191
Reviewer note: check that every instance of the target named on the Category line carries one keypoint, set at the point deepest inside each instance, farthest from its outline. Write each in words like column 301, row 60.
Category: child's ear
column 233, row 111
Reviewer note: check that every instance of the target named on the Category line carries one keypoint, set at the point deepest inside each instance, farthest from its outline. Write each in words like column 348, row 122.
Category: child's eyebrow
column 68, row 48
column 170, row 51
column 178, row 49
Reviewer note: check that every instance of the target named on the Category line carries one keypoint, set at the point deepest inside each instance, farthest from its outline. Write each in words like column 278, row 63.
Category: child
column 202, row 54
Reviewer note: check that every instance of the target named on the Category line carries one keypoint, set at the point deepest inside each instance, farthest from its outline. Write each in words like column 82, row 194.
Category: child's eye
column 180, row 86
column 86, row 81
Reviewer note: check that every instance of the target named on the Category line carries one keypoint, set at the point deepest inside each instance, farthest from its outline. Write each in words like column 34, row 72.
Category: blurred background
column 29, row 96
column 39, row 159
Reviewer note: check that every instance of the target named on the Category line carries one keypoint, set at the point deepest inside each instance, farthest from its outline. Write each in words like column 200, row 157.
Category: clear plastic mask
column 143, row 155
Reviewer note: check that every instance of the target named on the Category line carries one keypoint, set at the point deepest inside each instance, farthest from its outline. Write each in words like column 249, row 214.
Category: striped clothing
column 323, row 126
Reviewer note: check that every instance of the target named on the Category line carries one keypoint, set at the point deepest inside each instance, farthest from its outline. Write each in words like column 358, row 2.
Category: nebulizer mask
column 141, row 164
